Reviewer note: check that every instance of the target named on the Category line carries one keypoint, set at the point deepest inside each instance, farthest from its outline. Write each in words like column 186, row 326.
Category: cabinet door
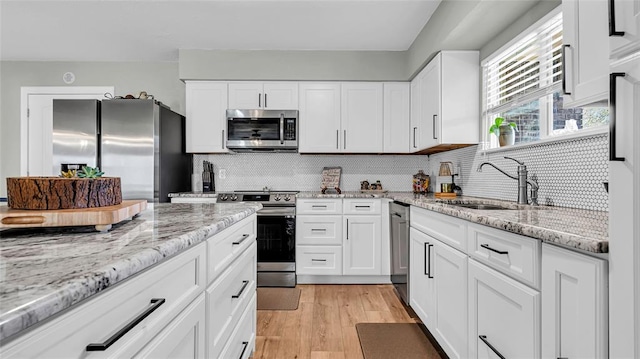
column 627, row 21
column 361, row 108
column 396, row 127
column 416, row 107
column 574, row 305
column 362, row 245
column 430, row 97
column 245, row 95
column 280, row 95
column 450, row 278
column 206, row 104
column 320, row 118
column 504, row 315
column 460, row 79
column 421, row 284
column 183, row 337
column 584, row 36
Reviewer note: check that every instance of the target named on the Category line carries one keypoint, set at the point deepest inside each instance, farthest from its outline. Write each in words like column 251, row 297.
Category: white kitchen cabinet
column 624, row 27
column 362, row 245
column 396, row 118
column 361, row 117
column 322, row 230
column 504, row 315
column 445, row 108
column 318, row 259
column 584, row 36
column 206, row 106
column 421, row 285
column 320, row 122
column 574, row 305
column 263, row 95
column 183, row 338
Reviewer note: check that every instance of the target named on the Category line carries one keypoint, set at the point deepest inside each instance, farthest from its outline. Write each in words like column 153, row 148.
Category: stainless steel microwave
column 262, row 130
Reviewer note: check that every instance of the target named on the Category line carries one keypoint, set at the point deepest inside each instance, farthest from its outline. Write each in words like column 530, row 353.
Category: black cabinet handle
column 265, row 100
column 484, row 339
column 244, row 286
column 318, row 260
column 429, row 256
column 94, row 347
column 245, row 344
column 318, row 229
column 414, row 137
column 244, row 237
column 347, row 228
column 427, row 259
column 612, row 115
column 563, row 358
column 363, row 206
column 612, row 20
column 318, row 206
column 486, row 246
column 396, row 214
column 259, row 99
column 223, row 140
column 337, row 139
column 564, row 69
column 434, row 127
column 344, row 145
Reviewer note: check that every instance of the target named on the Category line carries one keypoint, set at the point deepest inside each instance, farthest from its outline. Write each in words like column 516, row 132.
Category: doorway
column 36, row 123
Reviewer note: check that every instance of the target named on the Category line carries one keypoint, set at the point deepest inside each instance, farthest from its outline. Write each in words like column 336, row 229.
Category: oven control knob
column 277, row 197
column 287, row 198
column 224, row 197
column 234, row 197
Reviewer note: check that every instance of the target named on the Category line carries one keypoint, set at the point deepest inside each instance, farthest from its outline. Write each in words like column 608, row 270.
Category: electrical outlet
column 222, row 173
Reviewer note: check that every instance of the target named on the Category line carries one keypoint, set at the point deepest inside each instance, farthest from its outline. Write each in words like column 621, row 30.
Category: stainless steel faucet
column 522, row 182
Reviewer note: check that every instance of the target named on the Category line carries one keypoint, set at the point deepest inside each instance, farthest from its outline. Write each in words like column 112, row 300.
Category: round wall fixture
column 68, row 77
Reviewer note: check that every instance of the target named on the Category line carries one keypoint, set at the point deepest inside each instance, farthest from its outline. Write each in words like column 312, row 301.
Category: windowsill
column 598, row 131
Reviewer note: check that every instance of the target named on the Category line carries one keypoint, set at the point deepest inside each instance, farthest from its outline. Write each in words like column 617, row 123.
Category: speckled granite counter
column 45, row 271
column 194, row 195
column 574, row 228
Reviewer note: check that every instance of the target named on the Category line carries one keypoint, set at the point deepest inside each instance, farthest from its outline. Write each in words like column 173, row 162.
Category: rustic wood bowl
column 63, row 193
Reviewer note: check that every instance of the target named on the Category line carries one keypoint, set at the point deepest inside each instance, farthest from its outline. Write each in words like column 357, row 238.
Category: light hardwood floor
column 323, row 326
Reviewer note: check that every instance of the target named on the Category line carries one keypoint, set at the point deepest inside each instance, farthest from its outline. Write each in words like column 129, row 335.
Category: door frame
column 26, row 91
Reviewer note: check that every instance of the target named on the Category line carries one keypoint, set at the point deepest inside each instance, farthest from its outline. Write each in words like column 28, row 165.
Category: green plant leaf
column 498, row 121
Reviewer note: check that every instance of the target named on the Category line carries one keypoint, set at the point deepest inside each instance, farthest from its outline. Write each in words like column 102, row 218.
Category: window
column 523, row 83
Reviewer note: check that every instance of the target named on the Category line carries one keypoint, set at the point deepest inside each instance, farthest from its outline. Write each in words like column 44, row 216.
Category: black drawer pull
column 484, row 339
column 245, row 283
column 612, row 20
column 245, row 344
column 318, row 229
column 486, row 246
column 318, row 260
column 95, row 347
column 318, row 206
column 363, row 206
column 244, row 236
column 612, row 115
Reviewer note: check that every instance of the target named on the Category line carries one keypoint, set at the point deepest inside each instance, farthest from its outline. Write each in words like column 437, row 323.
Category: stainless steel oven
column 262, row 130
column 276, row 235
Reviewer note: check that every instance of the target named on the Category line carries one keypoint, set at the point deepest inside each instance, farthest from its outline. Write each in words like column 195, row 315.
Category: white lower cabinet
column 504, row 315
column 574, row 305
column 421, row 286
column 362, row 245
column 319, row 260
column 242, row 342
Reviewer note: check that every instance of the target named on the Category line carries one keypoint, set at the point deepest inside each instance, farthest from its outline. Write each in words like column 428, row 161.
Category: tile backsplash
column 293, row 171
column 570, row 173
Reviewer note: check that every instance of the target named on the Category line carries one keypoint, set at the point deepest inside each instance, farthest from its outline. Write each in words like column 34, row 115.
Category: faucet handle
column 511, row 158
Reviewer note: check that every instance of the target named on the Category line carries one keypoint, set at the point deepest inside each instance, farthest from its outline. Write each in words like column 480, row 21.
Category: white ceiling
column 154, row 30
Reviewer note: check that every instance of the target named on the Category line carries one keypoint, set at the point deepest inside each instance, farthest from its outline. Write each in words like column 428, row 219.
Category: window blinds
column 527, row 70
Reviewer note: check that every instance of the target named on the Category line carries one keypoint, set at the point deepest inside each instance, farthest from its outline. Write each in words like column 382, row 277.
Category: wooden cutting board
column 100, row 217
column 445, row 195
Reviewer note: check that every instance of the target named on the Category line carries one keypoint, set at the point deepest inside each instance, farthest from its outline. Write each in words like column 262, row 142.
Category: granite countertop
column 44, row 271
column 580, row 229
column 194, row 194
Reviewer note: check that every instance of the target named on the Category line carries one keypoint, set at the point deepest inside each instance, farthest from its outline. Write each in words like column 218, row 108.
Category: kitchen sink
column 481, row 206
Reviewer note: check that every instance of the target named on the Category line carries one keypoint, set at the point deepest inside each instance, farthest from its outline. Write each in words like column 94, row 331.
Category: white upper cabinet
column 445, row 102
column 206, row 105
column 586, row 62
column 320, row 117
column 396, row 118
column 263, row 95
column 361, row 109
column 624, row 27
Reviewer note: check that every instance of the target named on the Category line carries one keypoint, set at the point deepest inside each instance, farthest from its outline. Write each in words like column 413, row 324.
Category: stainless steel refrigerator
column 140, row 141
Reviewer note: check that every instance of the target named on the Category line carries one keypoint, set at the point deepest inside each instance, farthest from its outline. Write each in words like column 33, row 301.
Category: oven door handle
column 281, row 124
column 277, row 212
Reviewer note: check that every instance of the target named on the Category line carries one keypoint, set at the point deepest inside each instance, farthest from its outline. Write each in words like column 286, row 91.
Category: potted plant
column 506, row 131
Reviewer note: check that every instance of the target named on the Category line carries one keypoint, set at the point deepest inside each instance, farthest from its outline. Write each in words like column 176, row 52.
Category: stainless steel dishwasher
column 399, row 227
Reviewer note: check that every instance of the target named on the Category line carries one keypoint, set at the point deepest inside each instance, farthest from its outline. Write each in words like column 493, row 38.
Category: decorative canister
column 420, row 182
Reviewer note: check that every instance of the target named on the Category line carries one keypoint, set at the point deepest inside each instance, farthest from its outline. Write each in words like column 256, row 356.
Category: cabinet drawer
column 225, row 246
column 319, row 229
column 447, row 229
column 242, row 342
column 227, row 298
column 361, row 206
column 319, row 206
column 514, row 255
column 319, row 260
column 178, row 281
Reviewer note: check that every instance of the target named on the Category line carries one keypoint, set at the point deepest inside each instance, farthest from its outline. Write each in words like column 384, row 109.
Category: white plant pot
column 507, row 135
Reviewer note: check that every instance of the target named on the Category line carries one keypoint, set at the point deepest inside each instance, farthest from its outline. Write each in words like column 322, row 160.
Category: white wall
column 159, row 79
